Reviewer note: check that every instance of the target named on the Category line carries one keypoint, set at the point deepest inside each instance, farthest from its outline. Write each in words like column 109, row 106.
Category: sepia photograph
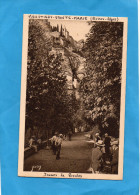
column 72, row 110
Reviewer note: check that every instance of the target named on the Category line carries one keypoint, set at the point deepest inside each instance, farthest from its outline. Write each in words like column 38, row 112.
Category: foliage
column 101, row 85
column 47, row 101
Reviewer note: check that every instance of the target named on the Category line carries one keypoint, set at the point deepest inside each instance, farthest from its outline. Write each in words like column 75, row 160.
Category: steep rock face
column 74, row 68
column 67, row 47
column 70, row 51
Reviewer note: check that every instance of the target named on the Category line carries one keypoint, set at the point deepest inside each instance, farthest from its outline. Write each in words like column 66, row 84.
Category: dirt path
column 75, row 157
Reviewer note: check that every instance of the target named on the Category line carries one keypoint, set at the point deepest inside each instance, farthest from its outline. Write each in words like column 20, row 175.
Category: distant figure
column 107, row 145
column 91, row 136
column 39, row 141
column 65, row 137
column 58, row 143
column 53, row 139
column 70, row 134
column 32, row 143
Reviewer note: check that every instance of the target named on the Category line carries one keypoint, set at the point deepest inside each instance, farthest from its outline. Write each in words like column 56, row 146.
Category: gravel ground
column 75, row 157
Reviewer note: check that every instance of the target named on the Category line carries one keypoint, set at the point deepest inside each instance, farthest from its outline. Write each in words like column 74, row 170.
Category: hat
column 97, row 134
column 60, row 135
column 115, row 143
column 100, row 143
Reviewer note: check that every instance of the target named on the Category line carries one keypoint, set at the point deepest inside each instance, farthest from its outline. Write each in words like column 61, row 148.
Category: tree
column 47, row 101
column 101, row 85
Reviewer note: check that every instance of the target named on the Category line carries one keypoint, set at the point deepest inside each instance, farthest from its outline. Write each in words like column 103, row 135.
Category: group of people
column 56, row 142
column 104, row 155
column 35, row 143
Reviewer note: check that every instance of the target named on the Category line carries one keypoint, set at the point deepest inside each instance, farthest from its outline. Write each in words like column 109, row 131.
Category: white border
column 139, row 80
column 23, row 102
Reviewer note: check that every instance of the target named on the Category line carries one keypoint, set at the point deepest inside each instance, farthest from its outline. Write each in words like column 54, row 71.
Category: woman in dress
column 96, row 157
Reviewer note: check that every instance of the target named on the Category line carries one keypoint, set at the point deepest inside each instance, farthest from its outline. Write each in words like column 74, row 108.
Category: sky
column 77, row 29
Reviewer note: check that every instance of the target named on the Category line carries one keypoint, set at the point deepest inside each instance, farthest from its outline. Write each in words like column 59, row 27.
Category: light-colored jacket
column 31, row 142
column 58, row 141
column 53, row 139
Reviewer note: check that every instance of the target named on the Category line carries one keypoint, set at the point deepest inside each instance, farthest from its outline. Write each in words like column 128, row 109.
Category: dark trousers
column 54, row 148
column 107, row 149
column 107, row 152
column 69, row 137
column 114, row 169
column 58, row 149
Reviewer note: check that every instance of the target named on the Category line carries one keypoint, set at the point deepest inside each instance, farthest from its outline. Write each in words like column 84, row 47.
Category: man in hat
column 107, row 145
column 96, row 157
column 58, row 143
column 114, row 162
column 53, row 139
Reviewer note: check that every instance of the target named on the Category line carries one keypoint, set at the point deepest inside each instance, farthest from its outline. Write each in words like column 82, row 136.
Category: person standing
column 96, row 139
column 107, row 141
column 114, row 162
column 96, row 157
column 58, row 143
column 70, row 134
column 53, row 139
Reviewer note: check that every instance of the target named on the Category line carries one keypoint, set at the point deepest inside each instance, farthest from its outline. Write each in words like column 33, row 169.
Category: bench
column 29, row 151
column 42, row 145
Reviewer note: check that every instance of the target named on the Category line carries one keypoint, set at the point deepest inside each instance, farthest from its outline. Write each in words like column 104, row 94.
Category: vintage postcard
column 72, row 108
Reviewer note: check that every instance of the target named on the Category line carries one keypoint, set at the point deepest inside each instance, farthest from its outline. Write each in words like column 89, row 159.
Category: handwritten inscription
column 36, row 168
column 50, row 175
column 75, row 175
column 63, row 175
